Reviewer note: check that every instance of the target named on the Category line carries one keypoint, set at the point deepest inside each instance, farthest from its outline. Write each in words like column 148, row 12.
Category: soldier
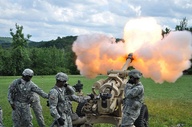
column 37, row 109
column 59, row 103
column 134, row 96
column 19, row 97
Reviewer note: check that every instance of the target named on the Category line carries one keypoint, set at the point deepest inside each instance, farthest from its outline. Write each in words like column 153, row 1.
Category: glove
column 61, row 121
column 91, row 95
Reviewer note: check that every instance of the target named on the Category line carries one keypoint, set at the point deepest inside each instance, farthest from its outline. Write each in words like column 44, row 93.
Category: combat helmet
column 28, row 72
column 135, row 73
column 61, row 76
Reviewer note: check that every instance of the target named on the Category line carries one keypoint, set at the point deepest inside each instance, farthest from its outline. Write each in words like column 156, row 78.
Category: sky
column 49, row 19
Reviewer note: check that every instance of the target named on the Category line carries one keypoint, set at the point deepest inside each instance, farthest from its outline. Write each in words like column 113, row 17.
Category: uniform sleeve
column 134, row 92
column 11, row 91
column 70, row 90
column 53, row 101
column 76, row 98
column 39, row 91
column 127, row 90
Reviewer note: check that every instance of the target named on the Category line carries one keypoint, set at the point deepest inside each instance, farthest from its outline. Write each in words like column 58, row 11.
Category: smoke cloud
column 161, row 59
column 98, row 53
column 167, row 59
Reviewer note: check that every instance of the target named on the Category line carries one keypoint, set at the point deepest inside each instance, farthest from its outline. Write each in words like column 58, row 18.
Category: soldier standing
column 59, row 102
column 134, row 96
column 37, row 109
column 19, row 97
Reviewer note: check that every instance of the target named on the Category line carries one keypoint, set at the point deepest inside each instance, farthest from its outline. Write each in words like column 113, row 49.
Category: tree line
column 46, row 58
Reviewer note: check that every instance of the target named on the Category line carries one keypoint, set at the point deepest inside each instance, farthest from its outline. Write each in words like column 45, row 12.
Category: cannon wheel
column 80, row 114
column 142, row 120
column 79, row 108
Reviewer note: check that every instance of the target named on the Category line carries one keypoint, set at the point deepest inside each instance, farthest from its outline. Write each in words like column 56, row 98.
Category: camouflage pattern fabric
column 19, row 95
column 60, row 105
column 37, row 109
column 78, row 99
column 21, row 116
column 1, row 117
column 134, row 95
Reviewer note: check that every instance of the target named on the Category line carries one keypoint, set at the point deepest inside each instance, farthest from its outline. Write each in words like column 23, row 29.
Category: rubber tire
column 80, row 114
column 79, row 108
column 142, row 120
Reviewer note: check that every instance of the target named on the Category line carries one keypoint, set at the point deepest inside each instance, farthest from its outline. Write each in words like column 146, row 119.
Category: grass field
column 169, row 104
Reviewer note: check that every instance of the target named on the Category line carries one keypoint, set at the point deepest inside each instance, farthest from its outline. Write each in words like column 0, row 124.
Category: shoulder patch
column 53, row 94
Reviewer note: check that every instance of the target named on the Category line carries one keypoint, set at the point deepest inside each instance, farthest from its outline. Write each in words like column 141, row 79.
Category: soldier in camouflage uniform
column 37, row 109
column 19, row 97
column 60, row 97
column 59, row 103
column 134, row 96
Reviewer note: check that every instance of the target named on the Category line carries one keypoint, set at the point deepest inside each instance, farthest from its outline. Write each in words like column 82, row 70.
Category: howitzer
column 106, row 106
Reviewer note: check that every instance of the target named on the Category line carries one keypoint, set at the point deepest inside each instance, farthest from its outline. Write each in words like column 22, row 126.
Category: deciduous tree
column 19, row 57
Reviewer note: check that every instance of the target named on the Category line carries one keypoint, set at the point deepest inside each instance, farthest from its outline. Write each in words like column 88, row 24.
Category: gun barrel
column 128, row 61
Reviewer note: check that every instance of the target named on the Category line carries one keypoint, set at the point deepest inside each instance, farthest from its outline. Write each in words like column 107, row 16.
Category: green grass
column 169, row 104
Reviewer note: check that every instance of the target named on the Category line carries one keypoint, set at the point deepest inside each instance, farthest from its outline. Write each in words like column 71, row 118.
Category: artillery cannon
column 106, row 104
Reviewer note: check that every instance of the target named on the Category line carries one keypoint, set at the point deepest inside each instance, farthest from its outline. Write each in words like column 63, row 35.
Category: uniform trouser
column 130, row 114
column 1, row 117
column 67, row 123
column 127, row 126
column 37, row 109
column 21, row 116
column 1, row 125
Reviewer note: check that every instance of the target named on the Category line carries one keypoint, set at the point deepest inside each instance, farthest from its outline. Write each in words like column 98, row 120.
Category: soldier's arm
column 127, row 90
column 53, row 101
column 11, row 93
column 70, row 90
column 135, row 91
column 38, row 90
column 75, row 98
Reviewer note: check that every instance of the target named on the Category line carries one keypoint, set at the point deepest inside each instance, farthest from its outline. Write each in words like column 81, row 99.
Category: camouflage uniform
column 59, row 102
column 19, row 95
column 1, row 117
column 59, row 105
column 134, row 95
column 37, row 109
